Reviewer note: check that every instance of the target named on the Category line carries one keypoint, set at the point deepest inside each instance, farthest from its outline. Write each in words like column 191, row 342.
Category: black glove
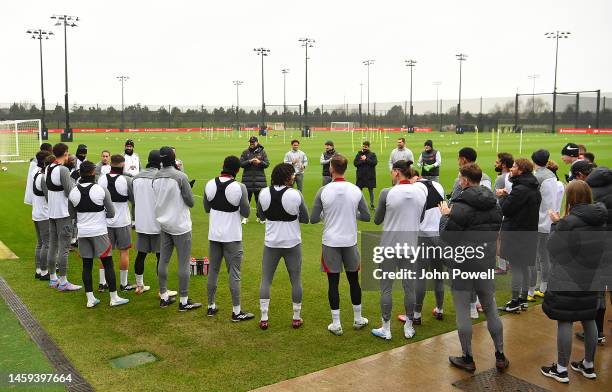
column 191, row 183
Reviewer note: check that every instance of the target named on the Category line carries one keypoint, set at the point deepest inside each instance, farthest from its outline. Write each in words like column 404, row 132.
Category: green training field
column 197, row 352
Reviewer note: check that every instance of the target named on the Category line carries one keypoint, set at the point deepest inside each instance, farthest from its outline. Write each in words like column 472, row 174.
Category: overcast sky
column 188, row 52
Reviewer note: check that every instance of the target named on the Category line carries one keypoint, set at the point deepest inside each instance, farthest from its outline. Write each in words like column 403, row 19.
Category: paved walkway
column 529, row 338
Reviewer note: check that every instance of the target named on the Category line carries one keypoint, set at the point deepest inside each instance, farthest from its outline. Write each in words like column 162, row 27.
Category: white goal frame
column 13, row 137
column 342, row 126
column 276, row 126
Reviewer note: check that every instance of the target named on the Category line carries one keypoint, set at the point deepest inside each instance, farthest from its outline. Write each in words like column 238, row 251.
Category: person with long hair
column 576, row 246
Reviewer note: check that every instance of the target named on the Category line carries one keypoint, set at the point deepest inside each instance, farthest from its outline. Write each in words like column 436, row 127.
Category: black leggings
column 139, row 263
column 334, row 295
column 599, row 320
column 109, row 273
column 251, row 193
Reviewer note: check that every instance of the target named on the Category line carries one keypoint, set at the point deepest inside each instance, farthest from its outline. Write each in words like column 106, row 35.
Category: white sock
column 123, row 275
column 90, row 297
column 183, row 300
column 263, row 306
column 531, row 291
column 212, row 306
column 236, row 309
column 502, row 264
column 44, row 272
column 139, row 280
column 164, row 296
column 386, row 325
column 336, row 317
column 38, row 271
column 417, row 315
column 587, row 364
column 357, row 312
column 63, row 279
column 543, row 286
column 114, row 296
column 439, row 310
column 473, row 306
column 297, row 309
column 102, row 276
column 408, row 323
column 53, row 276
column 561, row 369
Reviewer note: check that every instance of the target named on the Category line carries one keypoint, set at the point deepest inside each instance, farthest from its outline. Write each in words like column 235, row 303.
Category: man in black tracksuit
column 254, row 161
column 365, row 162
column 519, row 240
column 474, row 220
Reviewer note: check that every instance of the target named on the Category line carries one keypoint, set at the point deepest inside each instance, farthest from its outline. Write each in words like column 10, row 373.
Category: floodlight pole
column 262, row 52
column 237, row 83
column 461, row 57
column 556, row 35
column 122, row 79
column 306, row 43
column 39, row 34
column 285, row 71
column 437, row 84
column 411, row 64
column 367, row 63
column 360, row 105
column 533, row 77
column 66, row 20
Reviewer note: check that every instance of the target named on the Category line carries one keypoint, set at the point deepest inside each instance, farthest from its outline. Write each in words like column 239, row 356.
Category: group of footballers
column 93, row 201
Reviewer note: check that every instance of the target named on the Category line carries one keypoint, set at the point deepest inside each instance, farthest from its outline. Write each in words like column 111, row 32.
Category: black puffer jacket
column 253, row 176
column 474, row 220
column 521, row 210
column 576, row 246
column 600, row 181
column 366, row 169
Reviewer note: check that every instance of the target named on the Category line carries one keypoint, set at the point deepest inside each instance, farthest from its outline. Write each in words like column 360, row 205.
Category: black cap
column 253, row 139
column 329, row 143
column 582, row 166
column 428, row 143
column 82, row 148
column 540, row 157
column 129, row 142
column 571, row 150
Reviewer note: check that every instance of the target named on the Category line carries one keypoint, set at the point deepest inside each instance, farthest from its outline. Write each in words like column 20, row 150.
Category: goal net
column 276, row 126
column 19, row 140
column 342, row 126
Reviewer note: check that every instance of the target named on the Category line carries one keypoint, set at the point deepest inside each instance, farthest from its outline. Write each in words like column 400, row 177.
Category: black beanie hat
column 81, row 149
column 584, row 167
column 428, row 143
column 167, row 156
column 571, row 150
column 540, row 157
column 154, row 159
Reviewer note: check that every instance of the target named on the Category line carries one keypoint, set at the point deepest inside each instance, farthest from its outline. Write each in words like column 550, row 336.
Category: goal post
column 19, row 140
column 346, row 126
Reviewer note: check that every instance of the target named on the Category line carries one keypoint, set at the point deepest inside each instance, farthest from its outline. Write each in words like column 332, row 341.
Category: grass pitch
column 198, row 352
